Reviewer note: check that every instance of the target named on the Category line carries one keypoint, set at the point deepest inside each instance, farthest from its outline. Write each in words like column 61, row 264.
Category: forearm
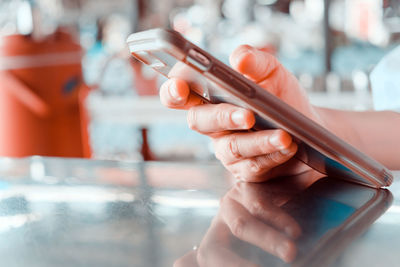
column 376, row 133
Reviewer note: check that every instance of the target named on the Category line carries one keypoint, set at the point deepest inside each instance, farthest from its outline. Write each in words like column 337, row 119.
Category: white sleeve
column 385, row 82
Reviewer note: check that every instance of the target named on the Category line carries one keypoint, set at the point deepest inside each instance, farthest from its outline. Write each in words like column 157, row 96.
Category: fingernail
column 173, row 91
column 286, row 152
column 238, row 118
column 274, row 140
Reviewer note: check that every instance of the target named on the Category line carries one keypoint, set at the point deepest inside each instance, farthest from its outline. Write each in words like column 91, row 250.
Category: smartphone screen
column 318, row 215
column 327, row 212
column 327, row 205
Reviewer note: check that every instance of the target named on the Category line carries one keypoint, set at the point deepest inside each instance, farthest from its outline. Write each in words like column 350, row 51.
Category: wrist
column 322, row 116
column 338, row 123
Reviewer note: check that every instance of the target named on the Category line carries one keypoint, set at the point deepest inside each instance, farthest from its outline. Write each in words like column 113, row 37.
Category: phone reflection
column 285, row 222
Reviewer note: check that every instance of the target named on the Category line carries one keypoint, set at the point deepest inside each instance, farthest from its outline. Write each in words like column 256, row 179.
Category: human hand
column 247, row 155
column 250, row 212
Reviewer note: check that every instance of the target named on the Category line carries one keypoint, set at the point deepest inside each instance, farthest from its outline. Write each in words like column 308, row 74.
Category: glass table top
column 74, row 212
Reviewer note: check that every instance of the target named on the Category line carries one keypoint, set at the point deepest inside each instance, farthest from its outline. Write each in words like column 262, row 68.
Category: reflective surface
column 59, row 212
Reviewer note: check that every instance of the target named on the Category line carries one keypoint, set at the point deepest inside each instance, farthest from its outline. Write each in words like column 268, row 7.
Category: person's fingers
column 303, row 175
column 257, row 65
column 175, row 93
column 248, row 228
column 253, row 169
column 216, row 256
column 187, row 260
column 258, row 205
column 215, row 248
column 212, row 118
column 233, row 147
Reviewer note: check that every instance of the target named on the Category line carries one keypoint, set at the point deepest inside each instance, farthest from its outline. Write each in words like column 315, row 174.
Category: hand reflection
column 250, row 212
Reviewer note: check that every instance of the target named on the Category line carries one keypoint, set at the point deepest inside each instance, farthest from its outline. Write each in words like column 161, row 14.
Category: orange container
column 41, row 97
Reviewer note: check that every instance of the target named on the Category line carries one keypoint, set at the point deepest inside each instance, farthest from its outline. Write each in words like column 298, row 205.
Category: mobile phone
column 169, row 53
column 332, row 213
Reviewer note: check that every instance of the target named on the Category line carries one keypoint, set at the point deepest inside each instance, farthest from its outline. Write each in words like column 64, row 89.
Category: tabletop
column 76, row 212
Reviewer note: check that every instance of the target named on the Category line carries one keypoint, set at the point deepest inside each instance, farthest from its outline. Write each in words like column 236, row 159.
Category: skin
column 261, row 155
column 251, row 212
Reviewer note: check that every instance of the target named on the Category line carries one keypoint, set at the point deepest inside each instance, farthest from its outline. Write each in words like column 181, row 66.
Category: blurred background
column 68, row 86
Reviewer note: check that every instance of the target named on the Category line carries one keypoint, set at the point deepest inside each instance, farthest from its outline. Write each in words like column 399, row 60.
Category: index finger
column 250, row 229
column 215, row 248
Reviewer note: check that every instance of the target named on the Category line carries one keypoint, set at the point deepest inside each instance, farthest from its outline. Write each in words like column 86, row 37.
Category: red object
column 40, row 102
column 144, row 86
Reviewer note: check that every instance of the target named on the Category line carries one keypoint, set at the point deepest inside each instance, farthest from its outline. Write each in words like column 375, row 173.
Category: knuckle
column 273, row 158
column 263, row 144
column 257, row 207
column 277, row 158
column 233, row 147
column 253, row 166
column 218, row 154
column 237, row 227
column 236, row 173
column 221, row 118
column 242, row 175
column 219, row 149
column 216, row 146
column 192, row 119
